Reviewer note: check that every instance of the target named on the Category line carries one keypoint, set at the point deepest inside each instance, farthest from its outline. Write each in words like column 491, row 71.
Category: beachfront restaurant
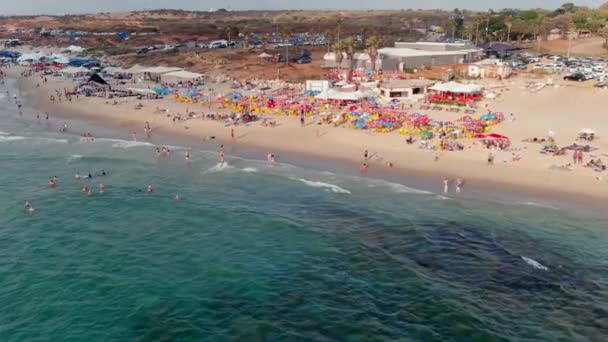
column 405, row 90
column 455, row 93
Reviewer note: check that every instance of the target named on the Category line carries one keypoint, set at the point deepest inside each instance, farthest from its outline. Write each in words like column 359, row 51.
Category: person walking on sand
column 580, row 157
column 490, row 158
column 365, row 154
column 446, row 184
column 574, row 156
column 232, row 133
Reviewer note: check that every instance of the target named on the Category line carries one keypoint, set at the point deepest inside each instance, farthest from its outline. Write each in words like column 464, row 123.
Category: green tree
column 349, row 46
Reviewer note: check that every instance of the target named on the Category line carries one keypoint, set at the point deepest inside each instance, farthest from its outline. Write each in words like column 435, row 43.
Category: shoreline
column 548, row 185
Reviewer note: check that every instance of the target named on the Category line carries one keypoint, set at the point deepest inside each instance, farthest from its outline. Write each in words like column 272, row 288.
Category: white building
column 489, row 68
column 405, row 90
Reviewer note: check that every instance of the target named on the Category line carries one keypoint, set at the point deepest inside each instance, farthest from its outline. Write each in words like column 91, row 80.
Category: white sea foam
column 534, row 264
column 3, row 133
column 130, row 144
column 442, row 198
column 7, row 138
column 219, row 167
column 327, row 186
column 250, row 170
column 400, row 188
column 74, row 157
column 39, row 140
column 540, row 205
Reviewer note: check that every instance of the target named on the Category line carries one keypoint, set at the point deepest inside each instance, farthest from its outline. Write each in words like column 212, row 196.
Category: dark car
column 578, row 77
column 304, row 60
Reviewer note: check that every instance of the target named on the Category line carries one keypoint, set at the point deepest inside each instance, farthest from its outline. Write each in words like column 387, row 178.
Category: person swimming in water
column 89, row 176
column 222, row 157
column 187, row 154
column 102, row 173
column 52, row 183
column 102, row 188
column 85, row 189
column 157, row 152
column 150, row 190
column 177, row 197
column 134, row 136
column 77, row 176
column 27, row 205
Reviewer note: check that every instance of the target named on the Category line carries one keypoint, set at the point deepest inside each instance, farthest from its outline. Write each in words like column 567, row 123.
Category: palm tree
column 339, row 23
column 230, row 32
column 338, row 48
column 477, row 19
column 509, row 23
column 452, row 23
column 329, row 36
column 372, row 43
column 349, row 46
column 287, row 31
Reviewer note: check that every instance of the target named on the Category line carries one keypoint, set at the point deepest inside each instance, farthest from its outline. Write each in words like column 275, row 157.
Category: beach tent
column 136, row 69
column 115, row 70
column 586, row 131
column 59, row 59
column 159, row 70
column 181, row 75
column 31, row 57
column 10, row 54
column 98, row 79
column 77, row 62
column 71, row 71
column 332, row 94
column 142, row 91
column 74, row 49
column 457, row 88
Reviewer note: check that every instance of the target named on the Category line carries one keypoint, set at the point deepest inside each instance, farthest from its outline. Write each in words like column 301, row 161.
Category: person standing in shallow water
column 446, row 184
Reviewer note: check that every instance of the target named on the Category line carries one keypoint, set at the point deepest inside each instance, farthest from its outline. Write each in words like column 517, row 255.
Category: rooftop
column 405, row 52
column 412, row 83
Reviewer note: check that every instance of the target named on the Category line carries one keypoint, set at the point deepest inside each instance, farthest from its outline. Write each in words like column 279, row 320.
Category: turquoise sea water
column 255, row 252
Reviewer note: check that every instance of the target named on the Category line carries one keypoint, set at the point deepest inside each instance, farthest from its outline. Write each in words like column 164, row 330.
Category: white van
column 217, row 44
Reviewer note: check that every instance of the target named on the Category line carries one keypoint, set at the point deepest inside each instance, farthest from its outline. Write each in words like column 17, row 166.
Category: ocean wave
column 50, row 140
column 534, row 263
column 327, row 186
column 250, row 170
column 398, row 188
column 219, row 167
column 8, row 138
column 129, row 144
column 74, row 157
column 4, row 133
column 540, row 205
column 442, row 198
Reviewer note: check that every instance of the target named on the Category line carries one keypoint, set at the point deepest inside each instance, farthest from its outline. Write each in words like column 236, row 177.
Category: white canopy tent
column 332, row 94
column 74, row 49
column 142, row 91
column 181, row 75
column 115, row 70
column 458, row 88
column 59, row 59
column 264, row 55
column 31, row 57
column 70, row 71
column 136, row 69
column 160, row 70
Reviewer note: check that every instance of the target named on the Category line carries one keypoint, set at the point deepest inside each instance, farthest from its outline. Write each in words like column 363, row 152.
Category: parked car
column 304, row 60
column 218, row 44
column 578, row 77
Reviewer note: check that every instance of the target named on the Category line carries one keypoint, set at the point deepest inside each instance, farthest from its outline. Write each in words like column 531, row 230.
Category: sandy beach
column 565, row 110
